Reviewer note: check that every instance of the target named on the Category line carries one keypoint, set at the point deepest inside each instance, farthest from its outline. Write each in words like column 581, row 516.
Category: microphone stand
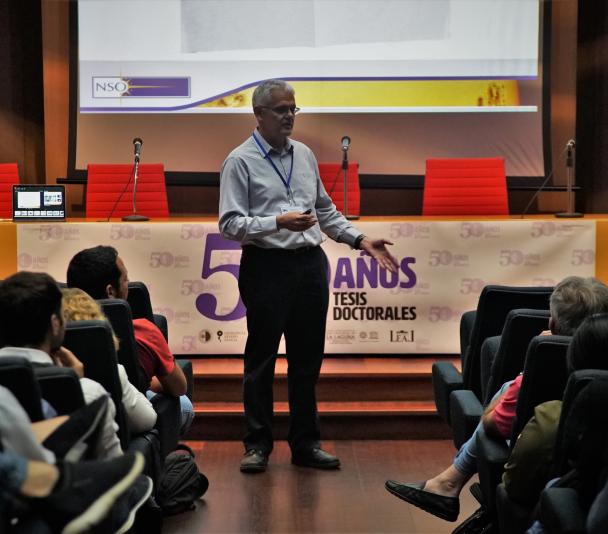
column 345, row 169
column 569, row 183
column 134, row 217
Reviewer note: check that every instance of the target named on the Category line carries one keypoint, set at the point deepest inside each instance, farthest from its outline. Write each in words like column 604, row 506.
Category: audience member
column 573, row 299
column 79, row 306
column 32, row 326
column 66, row 496
column 528, row 468
column 102, row 274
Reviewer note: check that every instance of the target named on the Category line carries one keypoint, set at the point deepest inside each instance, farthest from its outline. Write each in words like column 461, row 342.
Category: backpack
column 181, row 483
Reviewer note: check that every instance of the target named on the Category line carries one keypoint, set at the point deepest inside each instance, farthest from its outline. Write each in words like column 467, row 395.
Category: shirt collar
column 268, row 147
column 32, row 355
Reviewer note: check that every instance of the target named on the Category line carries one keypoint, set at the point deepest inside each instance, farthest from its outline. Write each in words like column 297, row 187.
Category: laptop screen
column 38, row 202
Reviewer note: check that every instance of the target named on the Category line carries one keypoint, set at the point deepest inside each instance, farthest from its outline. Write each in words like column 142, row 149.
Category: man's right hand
column 65, row 358
column 296, row 221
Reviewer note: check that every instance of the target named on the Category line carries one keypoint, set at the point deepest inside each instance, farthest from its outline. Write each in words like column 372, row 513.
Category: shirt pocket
column 305, row 187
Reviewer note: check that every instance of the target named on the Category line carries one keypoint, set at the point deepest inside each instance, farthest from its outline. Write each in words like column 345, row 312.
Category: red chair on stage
column 332, row 176
column 465, row 186
column 9, row 176
column 105, row 183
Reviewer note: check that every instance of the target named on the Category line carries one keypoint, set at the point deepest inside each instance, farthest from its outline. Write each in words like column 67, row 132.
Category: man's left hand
column 376, row 248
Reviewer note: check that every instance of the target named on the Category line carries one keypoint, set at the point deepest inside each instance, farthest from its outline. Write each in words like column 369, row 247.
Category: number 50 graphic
column 206, row 303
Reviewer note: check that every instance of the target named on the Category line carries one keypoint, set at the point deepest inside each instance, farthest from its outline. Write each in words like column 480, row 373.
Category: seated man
column 573, row 299
column 32, row 326
column 102, row 274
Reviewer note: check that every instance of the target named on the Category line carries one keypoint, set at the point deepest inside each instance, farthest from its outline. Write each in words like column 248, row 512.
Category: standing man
column 273, row 202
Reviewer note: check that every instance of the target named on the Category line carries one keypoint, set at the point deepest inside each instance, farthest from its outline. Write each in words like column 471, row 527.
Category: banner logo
column 131, row 87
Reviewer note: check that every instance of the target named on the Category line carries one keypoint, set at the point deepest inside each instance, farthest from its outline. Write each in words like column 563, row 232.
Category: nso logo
column 110, row 87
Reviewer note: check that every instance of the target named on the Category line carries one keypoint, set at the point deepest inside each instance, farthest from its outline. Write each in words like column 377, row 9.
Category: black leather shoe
column 316, row 458
column 254, row 461
column 446, row 508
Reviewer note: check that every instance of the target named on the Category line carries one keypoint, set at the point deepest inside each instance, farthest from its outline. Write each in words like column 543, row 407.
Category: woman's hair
column 589, row 346
column 79, row 306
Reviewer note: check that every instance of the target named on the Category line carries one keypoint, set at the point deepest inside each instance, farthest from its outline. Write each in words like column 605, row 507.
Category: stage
column 192, row 274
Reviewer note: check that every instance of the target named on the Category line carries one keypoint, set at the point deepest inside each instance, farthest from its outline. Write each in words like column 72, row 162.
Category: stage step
column 358, row 398
column 339, row 420
column 342, row 379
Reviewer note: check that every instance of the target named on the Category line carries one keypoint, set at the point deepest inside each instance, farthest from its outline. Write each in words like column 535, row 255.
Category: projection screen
column 405, row 79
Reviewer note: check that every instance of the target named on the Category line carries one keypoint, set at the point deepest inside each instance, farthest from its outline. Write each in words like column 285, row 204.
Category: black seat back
column 495, row 302
column 118, row 313
column 139, row 300
column 91, row 341
column 583, row 428
column 60, row 386
column 141, row 307
column 167, row 408
column 17, row 375
column 545, row 377
column 581, row 454
column 520, row 327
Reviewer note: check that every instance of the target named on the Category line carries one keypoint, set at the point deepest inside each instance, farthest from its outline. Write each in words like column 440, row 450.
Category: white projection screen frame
column 405, row 79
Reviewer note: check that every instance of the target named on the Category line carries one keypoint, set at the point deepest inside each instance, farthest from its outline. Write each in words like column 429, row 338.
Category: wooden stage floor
column 289, row 499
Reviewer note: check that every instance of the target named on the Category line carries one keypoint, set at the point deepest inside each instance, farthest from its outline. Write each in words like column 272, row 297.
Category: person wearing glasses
column 273, row 202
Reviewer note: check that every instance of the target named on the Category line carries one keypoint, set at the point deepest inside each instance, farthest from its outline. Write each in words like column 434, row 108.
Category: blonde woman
column 79, row 306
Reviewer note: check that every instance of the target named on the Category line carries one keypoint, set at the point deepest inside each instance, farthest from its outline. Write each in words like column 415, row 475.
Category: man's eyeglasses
column 283, row 110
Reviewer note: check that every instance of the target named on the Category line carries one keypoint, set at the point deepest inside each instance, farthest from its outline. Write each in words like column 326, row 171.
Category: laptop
column 38, row 202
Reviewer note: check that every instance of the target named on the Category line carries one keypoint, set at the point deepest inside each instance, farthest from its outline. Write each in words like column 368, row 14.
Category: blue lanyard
column 267, row 157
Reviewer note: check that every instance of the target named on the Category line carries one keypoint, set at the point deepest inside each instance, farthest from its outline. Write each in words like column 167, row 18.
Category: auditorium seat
column 583, row 403
column 581, row 448
column 106, row 183
column 17, row 375
column 138, row 298
column 465, row 186
column 141, row 308
column 167, row 407
column 504, row 355
column 332, row 176
column 9, row 175
column 92, row 341
column 59, row 386
column 545, row 377
column 495, row 302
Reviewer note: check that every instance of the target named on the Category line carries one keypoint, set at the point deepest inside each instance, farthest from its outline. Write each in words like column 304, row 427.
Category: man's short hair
column 27, row 302
column 574, row 299
column 589, row 346
column 92, row 269
column 263, row 92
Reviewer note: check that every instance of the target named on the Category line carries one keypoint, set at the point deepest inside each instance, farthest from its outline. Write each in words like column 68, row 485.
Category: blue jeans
column 466, row 457
column 186, row 408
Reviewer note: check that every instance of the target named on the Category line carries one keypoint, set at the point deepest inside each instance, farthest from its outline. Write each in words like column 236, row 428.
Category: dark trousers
column 285, row 292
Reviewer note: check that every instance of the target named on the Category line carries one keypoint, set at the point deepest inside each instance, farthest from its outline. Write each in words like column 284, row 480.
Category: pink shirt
column 504, row 413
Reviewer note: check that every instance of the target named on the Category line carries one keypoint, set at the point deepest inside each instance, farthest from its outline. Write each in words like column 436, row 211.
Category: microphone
column 137, row 142
column 345, row 143
column 570, row 145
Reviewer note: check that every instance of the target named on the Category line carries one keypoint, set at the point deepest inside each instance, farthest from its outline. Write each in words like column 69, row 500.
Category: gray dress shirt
column 252, row 195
